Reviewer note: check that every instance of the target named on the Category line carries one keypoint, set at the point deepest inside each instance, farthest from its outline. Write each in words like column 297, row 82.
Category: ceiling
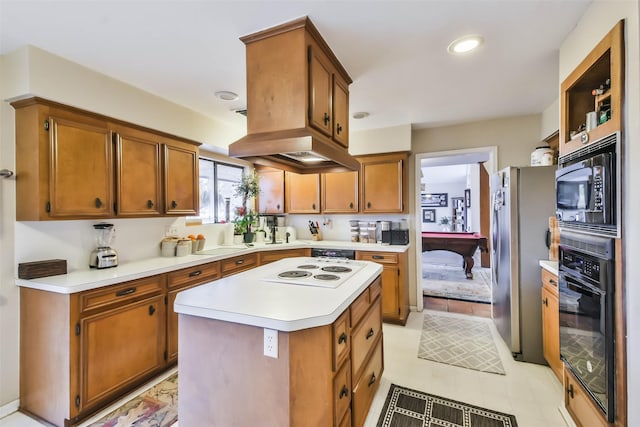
column 395, row 51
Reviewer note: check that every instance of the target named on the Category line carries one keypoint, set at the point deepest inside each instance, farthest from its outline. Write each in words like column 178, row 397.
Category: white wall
column 550, row 120
column 596, row 22
column 382, row 140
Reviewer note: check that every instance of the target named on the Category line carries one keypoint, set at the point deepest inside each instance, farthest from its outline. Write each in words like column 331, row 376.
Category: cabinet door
column 320, row 91
column 172, row 323
column 340, row 192
column 302, row 192
column 382, row 185
column 271, row 197
column 390, row 292
column 119, row 347
column 551, row 331
column 340, row 111
column 138, row 173
column 81, row 169
column 181, row 180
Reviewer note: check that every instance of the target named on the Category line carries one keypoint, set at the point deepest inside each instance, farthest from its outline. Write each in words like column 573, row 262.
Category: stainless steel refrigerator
column 522, row 200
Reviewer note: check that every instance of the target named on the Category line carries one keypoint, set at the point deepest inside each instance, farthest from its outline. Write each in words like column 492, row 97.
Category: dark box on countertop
column 398, row 237
column 35, row 269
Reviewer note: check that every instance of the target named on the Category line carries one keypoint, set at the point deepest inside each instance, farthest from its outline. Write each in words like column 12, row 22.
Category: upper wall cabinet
column 302, row 193
column 591, row 97
column 72, row 164
column 339, row 192
column 271, row 197
column 383, row 183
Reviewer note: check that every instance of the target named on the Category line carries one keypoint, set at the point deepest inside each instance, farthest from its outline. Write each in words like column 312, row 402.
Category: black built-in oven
column 586, row 288
column 586, row 190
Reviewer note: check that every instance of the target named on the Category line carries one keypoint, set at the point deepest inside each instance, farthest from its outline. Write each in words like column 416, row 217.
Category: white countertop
column 550, row 266
column 83, row 280
column 248, row 299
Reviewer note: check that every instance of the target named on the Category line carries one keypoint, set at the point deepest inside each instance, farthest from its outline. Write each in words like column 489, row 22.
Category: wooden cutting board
column 555, row 238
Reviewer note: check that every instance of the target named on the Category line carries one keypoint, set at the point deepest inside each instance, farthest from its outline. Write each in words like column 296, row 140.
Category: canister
column 542, row 156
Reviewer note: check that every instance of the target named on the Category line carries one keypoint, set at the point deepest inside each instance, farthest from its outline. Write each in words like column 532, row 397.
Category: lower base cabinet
column 395, row 284
column 579, row 404
column 323, row 376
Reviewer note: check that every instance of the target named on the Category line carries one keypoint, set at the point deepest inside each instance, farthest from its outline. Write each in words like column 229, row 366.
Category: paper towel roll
column 228, row 234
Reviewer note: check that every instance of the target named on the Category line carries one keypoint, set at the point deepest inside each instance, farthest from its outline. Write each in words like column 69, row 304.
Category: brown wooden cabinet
column 302, row 192
column 271, row 197
column 238, row 263
column 266, row 257
column 580, row 405
column 551, row 322
column 604, row 65
column 180, row 179
column 80, row 351
column 383, row 183
column 293, row 61
column 138, row 173
column 74, row 164
column 395, row 284
column 339, row 192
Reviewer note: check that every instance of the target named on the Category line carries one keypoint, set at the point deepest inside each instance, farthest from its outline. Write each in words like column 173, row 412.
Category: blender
column 103, row 256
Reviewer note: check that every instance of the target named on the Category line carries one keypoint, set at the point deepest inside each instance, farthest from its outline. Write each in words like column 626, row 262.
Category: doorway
column 471, row 215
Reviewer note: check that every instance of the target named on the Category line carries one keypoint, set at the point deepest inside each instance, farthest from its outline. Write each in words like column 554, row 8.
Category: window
column 217, row 181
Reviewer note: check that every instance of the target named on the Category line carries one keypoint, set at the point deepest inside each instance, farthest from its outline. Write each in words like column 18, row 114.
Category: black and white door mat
column 405, row 407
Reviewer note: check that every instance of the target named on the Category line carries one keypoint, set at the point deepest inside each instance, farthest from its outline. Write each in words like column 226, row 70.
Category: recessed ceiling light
column 465, row 44
column 225, row 95
column 360, row 115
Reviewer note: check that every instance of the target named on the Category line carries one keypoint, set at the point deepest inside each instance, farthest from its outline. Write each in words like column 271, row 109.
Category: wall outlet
column 271, row 343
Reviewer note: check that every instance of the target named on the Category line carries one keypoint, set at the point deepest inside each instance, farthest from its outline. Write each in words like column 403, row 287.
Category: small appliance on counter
column 103, row 256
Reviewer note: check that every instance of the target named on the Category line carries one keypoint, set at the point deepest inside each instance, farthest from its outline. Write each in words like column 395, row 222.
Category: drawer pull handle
column 545, row 302
column 377, row 257
column 570, row 390
column 369, row 205
column 344, row 392
column 152, row 310
column 195, row 273
column 326, row 119
column 370, row 333
column 342, row 338
column 124, row 292
column 372, row 379
column 553, row 282
column 240, row 261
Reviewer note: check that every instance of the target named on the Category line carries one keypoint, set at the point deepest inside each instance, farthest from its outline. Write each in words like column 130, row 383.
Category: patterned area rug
column 458, row 341
column 156, row 407
column 410, row 408
column 446, row 281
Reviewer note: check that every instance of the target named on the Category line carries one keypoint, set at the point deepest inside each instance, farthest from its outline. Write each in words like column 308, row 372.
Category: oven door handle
column 565, row 276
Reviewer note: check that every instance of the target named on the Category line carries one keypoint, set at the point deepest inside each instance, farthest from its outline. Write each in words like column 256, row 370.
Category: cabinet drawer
column 365, row 336
column 120, row 294
column 341, row 341
column 342, row 392
column 366, row 386
column 237, row 264
column 549, row 279
column 271, row 256
column 197, row 274
column 359, row 307
column 375, row 289
column 379, row 257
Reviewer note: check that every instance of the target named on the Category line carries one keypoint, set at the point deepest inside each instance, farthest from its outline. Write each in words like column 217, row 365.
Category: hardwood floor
column 456, row 306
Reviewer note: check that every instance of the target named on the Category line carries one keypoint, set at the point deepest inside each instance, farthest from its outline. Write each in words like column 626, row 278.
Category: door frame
column 491, row 166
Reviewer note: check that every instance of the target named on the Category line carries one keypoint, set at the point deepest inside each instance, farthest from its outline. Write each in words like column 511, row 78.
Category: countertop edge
column 84, row 280
column 550, row 266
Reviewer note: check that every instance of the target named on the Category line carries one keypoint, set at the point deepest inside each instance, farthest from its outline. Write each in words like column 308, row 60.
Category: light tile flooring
column 530, row 392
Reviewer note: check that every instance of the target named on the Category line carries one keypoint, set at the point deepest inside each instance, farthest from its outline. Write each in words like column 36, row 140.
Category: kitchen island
column 325, row 342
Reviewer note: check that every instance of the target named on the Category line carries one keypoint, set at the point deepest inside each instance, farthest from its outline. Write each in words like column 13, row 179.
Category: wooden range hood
column 297, row 102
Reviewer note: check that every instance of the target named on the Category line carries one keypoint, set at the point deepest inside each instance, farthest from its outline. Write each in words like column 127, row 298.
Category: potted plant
column 445, row 222
column 247, row 188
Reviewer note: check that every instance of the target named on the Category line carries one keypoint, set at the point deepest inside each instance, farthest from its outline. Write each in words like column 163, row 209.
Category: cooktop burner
column 326, row 277
column 336, row 269
column 308, row 266
column 294, row 274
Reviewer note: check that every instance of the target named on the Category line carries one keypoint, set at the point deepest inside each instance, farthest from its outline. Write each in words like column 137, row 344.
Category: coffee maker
column 103, row 256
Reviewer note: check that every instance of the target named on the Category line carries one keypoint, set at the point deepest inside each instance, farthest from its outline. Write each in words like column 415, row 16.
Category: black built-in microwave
column 586, row 189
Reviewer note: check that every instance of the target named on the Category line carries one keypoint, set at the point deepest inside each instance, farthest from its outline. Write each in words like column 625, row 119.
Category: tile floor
column 530, row 392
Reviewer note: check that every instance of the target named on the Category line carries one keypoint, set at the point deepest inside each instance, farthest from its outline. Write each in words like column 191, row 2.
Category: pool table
column 464, row 244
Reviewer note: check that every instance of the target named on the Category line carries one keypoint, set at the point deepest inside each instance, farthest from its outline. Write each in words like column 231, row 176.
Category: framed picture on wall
column 467, row 198
column 440, row 200
column 428, row 215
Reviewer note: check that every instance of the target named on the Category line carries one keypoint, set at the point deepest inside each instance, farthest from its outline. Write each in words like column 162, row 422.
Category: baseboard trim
column 9, row 408
column 566, row 416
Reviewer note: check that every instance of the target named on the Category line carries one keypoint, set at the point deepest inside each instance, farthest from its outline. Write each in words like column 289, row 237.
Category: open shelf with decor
column 591, row 96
